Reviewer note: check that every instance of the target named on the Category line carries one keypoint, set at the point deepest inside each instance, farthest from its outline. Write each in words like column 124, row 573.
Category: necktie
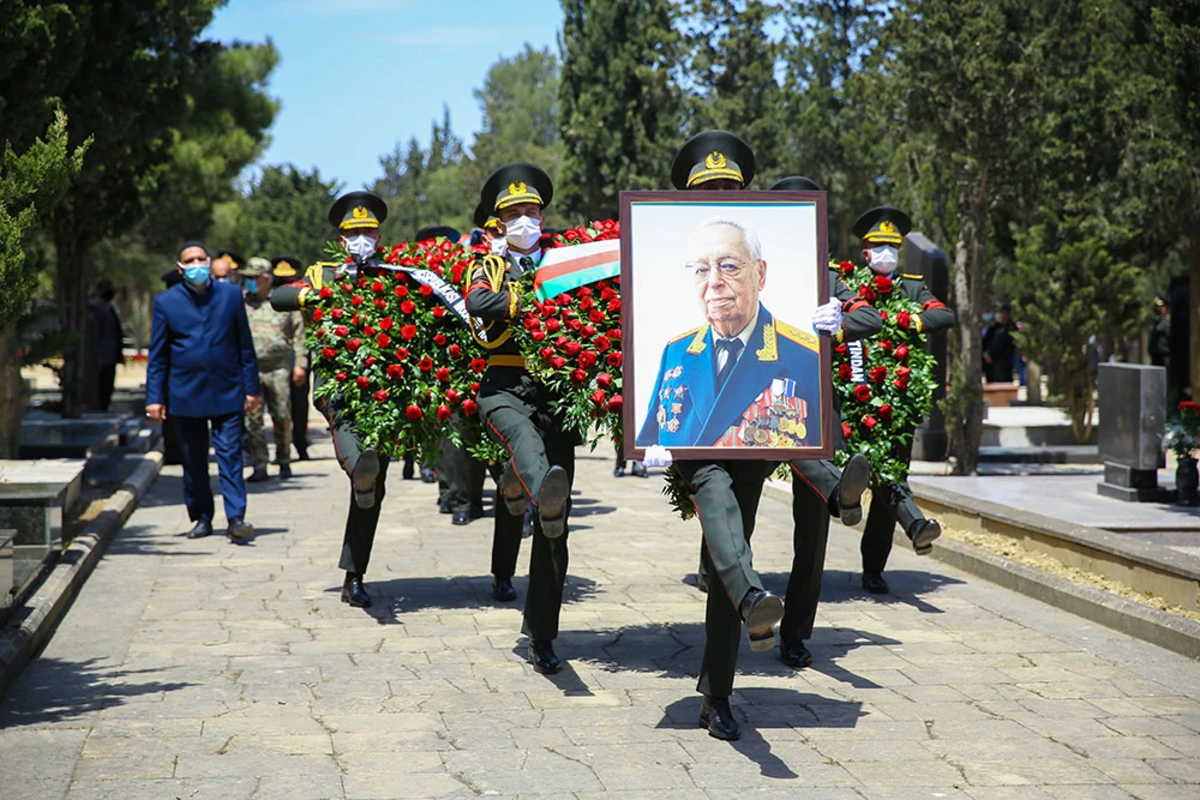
column 733, row 347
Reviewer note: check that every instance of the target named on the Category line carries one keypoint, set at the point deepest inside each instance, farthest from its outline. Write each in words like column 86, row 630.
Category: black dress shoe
column 922, row 534
column 639, row 470
column 428, row 475
column 702, row 582
column 543, row 658
column 258, row 476
column 353, row 591
column 717, row 716
column 761, row 611
column 461, row 518
column 285, row 471
column 444, row 507
column 855, row 477
column 510, row 490
column 407, row 474
column 503, row 591
column 239, row 530
column 476, row 511
column 794, row 654
column 302, row 454
column 366, row 472
column 874, row 583
column 552, row 502
column 619, row 472
column 201, row 529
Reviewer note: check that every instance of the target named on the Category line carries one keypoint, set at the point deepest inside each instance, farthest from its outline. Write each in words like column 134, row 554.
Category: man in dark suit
column 202, row 371
column 104, row 326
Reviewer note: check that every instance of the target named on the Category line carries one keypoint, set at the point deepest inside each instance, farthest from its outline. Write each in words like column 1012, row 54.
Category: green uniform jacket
column 934, row 314
column 859, row 318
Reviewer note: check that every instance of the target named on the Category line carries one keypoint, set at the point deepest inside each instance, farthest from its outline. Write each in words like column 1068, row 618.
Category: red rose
column 386, row 323
column 902, row 352
column 341, row 330
column 381, row 395
column 885, row 345
column 425, row 364
column 578, row 376
column 354, row 344
column 341, row 377
column 329, row 353
column 903, row 372
column 862, row 393
column 598, row 397
column 455, row 351
column 883, row 284
column 561, row 341
column 346, row 287
column 869, row 421
column 377, row 287
column 452, row 396
column 442, row 374
column 325, row 293
column 878, row 374
column 883, row 316
column 439, row 312
column 841, row 349
column 408, row 306
column 369, row 330
column 400, row 291
column 558, row 362
column 469, row 406
column 901, row 383
column 478, row 365
column 336, row 313
column 585, row 303
column 439, row 339
column 370, row 361
column 383, row 340
column 356, row 300
column 588, row 359
column 538, row 336
column 532, row 323
column 885, row 411
column 614, row 361
column 546, row 353
column 443, row 412
column 425, row 292
column 552, row 325
column 604, row 380
column 408, row 331
column 846, row 430
column 587, row 331
column 904, row 319
column 844, row 372
column 846, row 267
column 401, row 353
column 413, row 412
column 596, row 315
column 395, row 372
column 572, row 348
column 614, row 403
column 318, row 315
column 549, row 308
column 362, row 381
column 601, row 343
column 866, row 293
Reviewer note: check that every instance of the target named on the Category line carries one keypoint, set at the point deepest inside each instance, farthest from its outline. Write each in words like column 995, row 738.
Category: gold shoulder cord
column 493, row 267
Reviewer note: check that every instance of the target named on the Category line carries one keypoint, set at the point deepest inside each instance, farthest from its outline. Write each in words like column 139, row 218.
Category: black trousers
column 106, row 380
column 300, row 413
column 813, row 484
column 890, row 503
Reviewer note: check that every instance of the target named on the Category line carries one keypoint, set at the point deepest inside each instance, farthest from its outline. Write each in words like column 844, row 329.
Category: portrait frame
column 791, row 234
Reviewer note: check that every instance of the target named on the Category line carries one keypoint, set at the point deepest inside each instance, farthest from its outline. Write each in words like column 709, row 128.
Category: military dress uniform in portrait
column 279, row 345
column 357, row 217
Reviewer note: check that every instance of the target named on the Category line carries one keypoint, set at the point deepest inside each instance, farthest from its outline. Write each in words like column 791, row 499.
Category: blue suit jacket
column 201, row 361
column 685, row 411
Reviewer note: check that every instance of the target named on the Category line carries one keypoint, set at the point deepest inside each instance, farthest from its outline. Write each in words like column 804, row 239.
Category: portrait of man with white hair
column 742, row 377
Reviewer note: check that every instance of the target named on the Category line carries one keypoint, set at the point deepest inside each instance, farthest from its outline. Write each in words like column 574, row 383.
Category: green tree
column 284, row 213
column 620, row 113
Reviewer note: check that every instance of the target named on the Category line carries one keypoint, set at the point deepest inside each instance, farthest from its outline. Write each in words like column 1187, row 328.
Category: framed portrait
column 721, row 357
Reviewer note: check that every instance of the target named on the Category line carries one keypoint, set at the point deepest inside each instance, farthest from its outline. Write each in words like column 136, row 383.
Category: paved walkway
column 206, row 670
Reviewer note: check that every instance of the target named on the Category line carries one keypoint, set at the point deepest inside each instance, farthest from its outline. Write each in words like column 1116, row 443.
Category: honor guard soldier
column 882, row 230
column 726, row 493
column 286, row 269
column 279, row 345
column 356, row 216
column 515, row 409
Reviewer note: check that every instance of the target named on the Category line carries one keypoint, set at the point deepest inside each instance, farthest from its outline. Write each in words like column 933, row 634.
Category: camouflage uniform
column 278, row 343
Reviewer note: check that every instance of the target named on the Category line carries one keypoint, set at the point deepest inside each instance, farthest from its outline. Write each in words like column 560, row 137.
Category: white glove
column 657, row 456
column 828, row 318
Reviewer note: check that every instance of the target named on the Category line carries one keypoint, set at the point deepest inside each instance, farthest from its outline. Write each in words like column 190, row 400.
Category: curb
column 1174, row 633
column 32, row 626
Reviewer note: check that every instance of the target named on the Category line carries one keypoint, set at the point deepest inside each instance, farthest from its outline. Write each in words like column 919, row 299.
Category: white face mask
column 361, row 246
column 523, row 232
column 884, row 260
column 498, row 247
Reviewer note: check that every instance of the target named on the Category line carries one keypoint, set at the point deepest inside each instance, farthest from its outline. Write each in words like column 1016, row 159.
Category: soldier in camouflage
column 279, row 345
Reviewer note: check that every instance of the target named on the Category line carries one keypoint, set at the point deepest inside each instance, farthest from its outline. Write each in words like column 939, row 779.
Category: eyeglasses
column 727, row 268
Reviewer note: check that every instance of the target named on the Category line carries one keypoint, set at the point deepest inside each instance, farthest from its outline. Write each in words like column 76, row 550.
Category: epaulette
column 315, row 274
column 686, row 334
column 920, row 278
column 792, row 333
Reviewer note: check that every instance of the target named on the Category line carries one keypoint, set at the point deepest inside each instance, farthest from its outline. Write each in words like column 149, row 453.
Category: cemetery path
column 201, row 669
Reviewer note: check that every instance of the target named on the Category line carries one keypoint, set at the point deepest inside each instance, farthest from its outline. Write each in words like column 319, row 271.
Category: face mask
column 884, row 259
column 251, row 285
column 361, row 246
column 196, row 274
column 523, row 232
column 498, row 247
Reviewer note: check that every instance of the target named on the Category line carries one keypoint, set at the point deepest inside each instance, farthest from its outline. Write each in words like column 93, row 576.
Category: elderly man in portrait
column 744, row 378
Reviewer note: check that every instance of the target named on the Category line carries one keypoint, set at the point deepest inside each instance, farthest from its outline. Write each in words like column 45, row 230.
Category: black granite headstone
column 923, row 257
column 1133, row 406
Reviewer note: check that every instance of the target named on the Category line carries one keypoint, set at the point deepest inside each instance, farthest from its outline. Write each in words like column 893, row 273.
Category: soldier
column 515, row 410
column 356, row 216
column 284, row 270
column 278, row 343
column 225, row 267
column 726, row 493
column 882, row 229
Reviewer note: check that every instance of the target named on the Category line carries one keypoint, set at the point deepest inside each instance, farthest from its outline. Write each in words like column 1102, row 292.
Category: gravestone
column 34, row 496
column 923, row 257
column 1133, row 409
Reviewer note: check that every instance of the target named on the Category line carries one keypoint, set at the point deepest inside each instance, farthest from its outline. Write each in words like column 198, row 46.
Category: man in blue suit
column 202, row 372
column 743, row 378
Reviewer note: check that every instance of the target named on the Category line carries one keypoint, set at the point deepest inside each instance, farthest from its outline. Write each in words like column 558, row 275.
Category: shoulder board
column 792, row 333
column 687, row 334
column 914, row 277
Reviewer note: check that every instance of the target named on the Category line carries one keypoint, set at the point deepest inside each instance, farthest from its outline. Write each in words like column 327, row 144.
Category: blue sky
column 392, row 63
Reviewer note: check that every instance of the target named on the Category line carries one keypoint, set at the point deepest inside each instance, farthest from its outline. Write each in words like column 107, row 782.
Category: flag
column 565, row 269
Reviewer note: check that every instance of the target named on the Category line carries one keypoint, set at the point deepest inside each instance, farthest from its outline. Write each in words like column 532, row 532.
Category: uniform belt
column 506, row 361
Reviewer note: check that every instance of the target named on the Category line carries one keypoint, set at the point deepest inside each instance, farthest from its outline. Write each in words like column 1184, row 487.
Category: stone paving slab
column 201, row 669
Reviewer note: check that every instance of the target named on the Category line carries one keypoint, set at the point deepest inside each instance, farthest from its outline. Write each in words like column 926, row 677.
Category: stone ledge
column 31, row 626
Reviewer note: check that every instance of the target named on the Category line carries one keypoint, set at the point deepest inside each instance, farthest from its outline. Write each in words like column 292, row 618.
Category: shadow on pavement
column 59, row 690
column 840, row 586
column 409, row 595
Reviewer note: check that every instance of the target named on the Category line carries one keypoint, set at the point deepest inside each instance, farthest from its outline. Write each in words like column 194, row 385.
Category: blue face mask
column 197, row 274
column 251, row 286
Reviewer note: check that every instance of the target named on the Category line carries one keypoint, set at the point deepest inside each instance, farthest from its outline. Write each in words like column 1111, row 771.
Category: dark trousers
column 506, row 534
column 813, row 484
column 300, row 414
column 361, row 523
column 726, row 494
column 890, row 503
column 106, row 379
column 460, row 477
column 521, row 421
column 227, row 435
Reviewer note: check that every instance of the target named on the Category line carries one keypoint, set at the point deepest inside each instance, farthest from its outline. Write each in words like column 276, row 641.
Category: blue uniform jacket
column 201, row 361
column 774, row 388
